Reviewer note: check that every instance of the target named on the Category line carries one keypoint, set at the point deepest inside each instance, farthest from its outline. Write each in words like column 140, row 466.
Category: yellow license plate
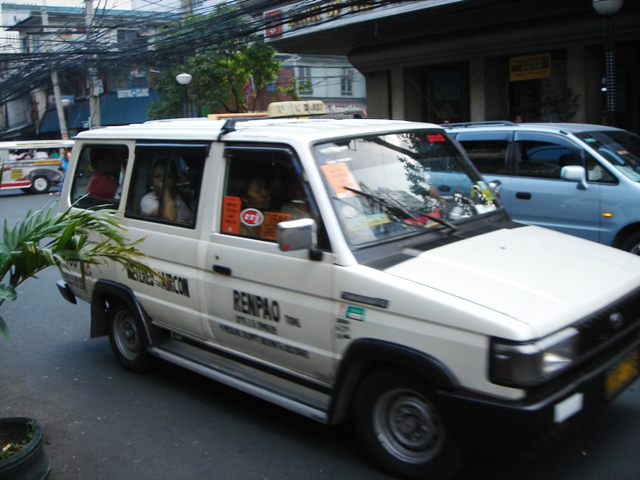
column 622, row 374
column 16, row 173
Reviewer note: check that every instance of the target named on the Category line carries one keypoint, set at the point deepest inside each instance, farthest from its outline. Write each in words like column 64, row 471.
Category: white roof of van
column 202, row 129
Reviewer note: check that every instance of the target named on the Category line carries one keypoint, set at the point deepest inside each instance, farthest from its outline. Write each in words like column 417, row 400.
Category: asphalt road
column 102, row 422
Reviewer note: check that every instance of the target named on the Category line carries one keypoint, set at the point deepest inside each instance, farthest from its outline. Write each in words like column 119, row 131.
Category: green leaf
column 7, row 292
column 42, row 239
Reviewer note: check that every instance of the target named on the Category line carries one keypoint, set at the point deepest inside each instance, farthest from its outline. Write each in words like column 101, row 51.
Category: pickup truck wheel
column 127, row 339
column 402, row 429
column 632, row 243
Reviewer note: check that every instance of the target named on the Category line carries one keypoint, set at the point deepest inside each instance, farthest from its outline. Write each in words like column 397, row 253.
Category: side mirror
column 494, row 186
column 575, row 173
column 297, row 235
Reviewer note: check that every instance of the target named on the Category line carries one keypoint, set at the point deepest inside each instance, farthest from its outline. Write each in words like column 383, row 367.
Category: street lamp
column 62, row 114
column 184, row 79
column 608, row 8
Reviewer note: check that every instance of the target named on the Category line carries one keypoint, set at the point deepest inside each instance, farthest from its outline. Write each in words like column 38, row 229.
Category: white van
column 354, row 268
column 31, row 166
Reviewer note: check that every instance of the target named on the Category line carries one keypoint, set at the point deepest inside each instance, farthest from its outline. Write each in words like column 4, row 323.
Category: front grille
column 621, row 316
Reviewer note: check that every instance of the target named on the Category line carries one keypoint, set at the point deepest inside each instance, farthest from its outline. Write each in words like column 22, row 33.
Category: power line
column 223, row 26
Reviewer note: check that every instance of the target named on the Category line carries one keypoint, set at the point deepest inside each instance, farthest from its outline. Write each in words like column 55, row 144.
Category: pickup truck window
column 399, row 184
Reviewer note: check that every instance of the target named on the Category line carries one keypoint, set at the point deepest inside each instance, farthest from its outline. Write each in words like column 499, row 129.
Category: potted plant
column 40, row 240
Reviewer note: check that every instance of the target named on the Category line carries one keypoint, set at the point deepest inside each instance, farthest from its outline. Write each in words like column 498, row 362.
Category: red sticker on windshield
column 251, row 217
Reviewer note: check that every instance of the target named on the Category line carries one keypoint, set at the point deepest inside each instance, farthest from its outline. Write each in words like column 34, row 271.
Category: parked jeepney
column 32, row 166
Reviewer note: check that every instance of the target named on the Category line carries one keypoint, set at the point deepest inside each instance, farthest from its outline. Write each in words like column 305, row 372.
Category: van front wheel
column 402, row 429
column 127, row 339
column 632, row 243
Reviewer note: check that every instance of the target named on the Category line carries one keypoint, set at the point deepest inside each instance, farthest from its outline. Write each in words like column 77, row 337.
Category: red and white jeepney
column 32, row 166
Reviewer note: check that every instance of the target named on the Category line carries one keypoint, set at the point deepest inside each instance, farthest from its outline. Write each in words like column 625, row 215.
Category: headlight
column 518, row 364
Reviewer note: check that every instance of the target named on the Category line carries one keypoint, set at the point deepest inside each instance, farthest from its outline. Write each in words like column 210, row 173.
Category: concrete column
column 576, row 79
column 378, row 101
column 414, row 97
column 477, row 94
column 496, row 90
column 397, row 93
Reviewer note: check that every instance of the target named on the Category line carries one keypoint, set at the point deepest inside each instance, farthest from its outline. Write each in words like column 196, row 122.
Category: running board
column 293, row 396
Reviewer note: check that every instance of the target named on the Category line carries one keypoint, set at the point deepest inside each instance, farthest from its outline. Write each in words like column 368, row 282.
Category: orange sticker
column 231, row 208
column 271, row 221
column 339, row 176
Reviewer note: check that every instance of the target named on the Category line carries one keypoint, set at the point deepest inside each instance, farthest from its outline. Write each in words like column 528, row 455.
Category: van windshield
column 620, row 148
column 400, row 184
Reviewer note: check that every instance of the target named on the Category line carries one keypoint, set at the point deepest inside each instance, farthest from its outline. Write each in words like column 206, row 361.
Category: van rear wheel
column 402, row 429
column 126, row 335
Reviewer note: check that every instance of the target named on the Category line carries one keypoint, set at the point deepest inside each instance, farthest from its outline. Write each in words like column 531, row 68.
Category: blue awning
column 113, row 111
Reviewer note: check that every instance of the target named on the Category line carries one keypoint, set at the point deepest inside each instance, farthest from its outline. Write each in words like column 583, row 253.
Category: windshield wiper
column 403, row 211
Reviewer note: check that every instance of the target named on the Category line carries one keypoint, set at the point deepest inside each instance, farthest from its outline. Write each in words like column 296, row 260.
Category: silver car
column 575, row 178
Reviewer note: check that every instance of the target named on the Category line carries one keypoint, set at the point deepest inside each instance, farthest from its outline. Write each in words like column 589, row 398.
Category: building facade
column 474, row 60
column 123, row 90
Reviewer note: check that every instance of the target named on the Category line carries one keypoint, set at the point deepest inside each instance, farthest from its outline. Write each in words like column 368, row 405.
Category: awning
column 16, row 132
column 113, row 111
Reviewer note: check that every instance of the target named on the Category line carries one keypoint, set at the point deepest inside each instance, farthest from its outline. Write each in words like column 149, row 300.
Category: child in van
column 164, row 201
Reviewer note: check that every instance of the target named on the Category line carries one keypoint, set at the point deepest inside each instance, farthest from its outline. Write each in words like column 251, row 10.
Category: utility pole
column 94, row 92
column 62, row 121
column 187, row 8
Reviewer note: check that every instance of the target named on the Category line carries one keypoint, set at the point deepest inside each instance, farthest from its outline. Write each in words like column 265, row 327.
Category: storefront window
column 126, row 78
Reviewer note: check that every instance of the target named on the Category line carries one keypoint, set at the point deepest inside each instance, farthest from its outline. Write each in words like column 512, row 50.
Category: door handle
column 523, row 195
column 226, row 271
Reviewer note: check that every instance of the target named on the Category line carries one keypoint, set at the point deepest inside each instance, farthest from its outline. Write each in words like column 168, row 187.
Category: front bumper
column 66, row 292
column 542, row 419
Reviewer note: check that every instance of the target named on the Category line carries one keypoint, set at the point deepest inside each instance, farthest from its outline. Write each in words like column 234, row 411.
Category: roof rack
column 505, row 123
column 290, row 109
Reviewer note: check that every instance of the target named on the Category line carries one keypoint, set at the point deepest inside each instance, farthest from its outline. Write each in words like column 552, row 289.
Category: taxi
column 353, row 269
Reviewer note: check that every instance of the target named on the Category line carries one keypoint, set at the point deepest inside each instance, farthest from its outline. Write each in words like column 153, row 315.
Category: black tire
column 127, row 339
column 632, row 243
column 401, row 428
column 40, row 184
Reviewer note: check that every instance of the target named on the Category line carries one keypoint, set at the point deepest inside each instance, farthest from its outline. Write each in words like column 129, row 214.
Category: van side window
column 597, row 173
column 97, row 181
column 487, row 155
column 264, row 187
column 165, row 183
column 544, row 159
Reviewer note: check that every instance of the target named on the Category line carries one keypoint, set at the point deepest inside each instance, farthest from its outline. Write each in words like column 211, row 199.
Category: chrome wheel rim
column 40, row 184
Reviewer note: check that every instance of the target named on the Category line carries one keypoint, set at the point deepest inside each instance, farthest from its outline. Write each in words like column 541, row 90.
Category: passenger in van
column 594, row 170
column 40, row 155
column 28, row 155
column 164, row 201
column 105, row 178
column 297, row 207
column 256, row 195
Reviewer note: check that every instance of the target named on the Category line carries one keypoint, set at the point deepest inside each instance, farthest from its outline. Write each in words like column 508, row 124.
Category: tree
column 228, row 75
